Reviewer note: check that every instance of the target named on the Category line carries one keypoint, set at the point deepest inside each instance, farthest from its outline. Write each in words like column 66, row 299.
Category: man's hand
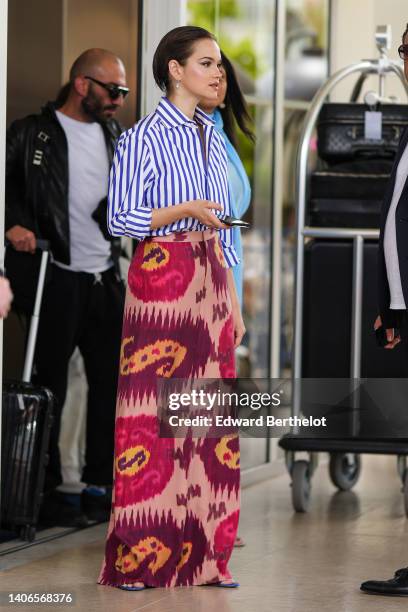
column 6, row 297
column 22, row 239
column 392, row 339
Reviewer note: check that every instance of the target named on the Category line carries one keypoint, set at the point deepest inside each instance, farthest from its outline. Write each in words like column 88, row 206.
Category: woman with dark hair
column 228, row 111
column 176, row 501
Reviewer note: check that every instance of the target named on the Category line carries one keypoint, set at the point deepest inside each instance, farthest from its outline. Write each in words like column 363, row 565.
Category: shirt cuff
column 230, row 256
column 136, row 223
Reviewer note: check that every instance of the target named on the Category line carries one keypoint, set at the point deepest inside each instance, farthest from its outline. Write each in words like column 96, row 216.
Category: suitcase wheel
column 27, row 533
column 344, row 470
column 301, row 485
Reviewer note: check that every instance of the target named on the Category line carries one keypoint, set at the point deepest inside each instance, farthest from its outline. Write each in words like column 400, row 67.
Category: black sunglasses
column 403, row 51
column 114, row 91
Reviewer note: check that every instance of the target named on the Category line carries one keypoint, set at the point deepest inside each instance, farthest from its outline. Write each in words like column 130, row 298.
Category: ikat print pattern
column 175, row 507
column 154, row 275
column 143, row 462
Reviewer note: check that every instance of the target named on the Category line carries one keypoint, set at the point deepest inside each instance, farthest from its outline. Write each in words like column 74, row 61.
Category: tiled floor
column 291, row 563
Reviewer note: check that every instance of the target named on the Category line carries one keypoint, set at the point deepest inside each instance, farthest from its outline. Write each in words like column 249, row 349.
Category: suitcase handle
column 43, row 245
column 32, row 336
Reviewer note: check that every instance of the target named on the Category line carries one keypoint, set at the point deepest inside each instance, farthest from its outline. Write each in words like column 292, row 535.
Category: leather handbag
column 341, row 132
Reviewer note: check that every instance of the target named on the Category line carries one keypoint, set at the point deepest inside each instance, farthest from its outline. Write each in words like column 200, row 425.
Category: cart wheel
column 31, row 531
column 344, row 470
column 301, row 486
column 27, row 533
column 23, row 532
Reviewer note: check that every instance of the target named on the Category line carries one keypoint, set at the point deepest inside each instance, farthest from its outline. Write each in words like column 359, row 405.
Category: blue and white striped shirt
column 160, row 162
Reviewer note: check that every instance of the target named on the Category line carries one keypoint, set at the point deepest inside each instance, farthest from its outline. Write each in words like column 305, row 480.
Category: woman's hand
column 201, row 210
column 6, row 297
column 198, row 209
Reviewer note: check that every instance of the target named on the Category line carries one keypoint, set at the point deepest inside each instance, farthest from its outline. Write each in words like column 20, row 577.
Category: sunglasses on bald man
column 113, row 90
column 403, row 51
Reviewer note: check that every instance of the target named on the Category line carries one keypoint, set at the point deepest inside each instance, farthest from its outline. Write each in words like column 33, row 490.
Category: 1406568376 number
column 45, row 598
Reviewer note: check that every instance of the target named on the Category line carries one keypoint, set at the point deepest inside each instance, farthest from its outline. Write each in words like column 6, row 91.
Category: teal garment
column 240, row 196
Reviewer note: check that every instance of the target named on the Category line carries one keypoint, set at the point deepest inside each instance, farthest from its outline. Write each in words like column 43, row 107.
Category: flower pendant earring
column 222, row 105
column 178, row 84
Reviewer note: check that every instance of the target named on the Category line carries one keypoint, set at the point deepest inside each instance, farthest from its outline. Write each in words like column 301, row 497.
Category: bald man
column 56, row 186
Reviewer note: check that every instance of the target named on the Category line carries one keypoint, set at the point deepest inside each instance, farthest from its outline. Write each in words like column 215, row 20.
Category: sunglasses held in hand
column 113, row 90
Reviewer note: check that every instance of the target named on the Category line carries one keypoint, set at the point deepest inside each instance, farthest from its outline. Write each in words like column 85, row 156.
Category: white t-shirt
column 88, row 170
column 390, row 238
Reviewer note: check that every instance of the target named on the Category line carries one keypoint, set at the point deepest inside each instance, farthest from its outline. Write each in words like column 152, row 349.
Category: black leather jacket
column 37, row 181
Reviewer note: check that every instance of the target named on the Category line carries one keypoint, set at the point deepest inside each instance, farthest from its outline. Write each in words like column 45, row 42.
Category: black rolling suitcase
column 327, row 312
column 26, row 424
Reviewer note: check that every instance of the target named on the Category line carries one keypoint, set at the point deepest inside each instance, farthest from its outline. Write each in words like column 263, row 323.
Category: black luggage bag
column 348, row 188
column 26, row 424
column 349, row 195
column 341, row 132
column 350, row 213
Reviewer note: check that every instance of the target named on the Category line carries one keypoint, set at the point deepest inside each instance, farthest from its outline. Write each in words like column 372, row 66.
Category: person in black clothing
column 56, row 189
column 393, row 288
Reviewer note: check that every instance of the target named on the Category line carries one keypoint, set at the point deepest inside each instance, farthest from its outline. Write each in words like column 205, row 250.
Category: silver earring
column 177, row 84
column 222, row 105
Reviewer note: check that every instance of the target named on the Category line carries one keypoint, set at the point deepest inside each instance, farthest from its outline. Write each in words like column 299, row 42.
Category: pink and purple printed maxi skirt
column 176, row 501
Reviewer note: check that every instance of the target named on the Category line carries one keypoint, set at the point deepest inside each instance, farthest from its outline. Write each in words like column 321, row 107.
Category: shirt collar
column 171, row 116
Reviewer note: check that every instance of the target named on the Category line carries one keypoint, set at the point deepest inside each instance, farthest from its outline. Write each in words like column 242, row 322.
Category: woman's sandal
column 223, row 584
column 239, row 542
column 128, row 587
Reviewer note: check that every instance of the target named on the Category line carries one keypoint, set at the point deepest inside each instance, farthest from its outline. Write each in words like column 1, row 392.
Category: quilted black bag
column 341, row 132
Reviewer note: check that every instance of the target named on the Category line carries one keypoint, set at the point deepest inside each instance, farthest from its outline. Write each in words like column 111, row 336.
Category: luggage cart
column 344, row 463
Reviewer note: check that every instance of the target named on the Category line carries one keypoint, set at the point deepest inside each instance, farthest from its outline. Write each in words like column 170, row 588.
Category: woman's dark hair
column 175, row 45
column 235, row 105
column 405, row 33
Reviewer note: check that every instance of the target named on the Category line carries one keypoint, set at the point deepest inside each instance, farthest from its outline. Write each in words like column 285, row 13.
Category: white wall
column 353, row 29
column 158, row 18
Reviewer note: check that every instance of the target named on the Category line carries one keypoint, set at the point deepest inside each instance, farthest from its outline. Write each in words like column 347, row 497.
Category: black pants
column 82, row 310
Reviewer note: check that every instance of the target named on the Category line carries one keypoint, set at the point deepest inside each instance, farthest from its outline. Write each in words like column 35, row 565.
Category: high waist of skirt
column 192, row 236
